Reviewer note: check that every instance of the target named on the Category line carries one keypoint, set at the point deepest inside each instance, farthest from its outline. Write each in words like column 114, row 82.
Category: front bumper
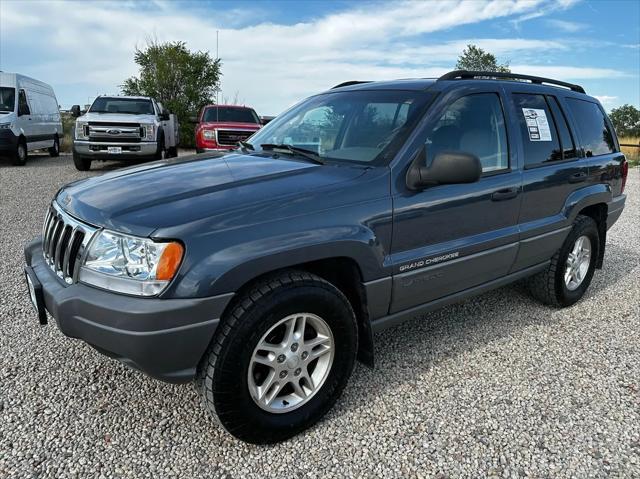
column 8, row 140
column 88, row 149
column 164, row 338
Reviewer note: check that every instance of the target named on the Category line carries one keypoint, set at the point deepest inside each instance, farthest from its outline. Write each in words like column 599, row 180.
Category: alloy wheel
column 577, row 264
column 291, row 362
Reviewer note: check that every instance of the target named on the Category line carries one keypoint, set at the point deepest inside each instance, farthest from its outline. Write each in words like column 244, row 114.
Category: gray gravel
column 496, row 386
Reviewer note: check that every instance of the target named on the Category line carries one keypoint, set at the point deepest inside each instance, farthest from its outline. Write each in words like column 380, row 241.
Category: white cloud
column 88, row 47
column 568, row 73
column 566, row 26
column 606, row 100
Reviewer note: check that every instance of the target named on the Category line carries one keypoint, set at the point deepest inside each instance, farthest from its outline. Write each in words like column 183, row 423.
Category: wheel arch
column 598, row 212
column 345, row 274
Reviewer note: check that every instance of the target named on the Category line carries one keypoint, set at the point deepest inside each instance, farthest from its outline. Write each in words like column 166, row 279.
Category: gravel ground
column 496, row 386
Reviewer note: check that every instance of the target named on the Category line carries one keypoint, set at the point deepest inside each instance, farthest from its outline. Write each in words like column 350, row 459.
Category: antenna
column 218, row 88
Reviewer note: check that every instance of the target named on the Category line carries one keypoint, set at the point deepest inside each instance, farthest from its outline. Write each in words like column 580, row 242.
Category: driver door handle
column 504, row 194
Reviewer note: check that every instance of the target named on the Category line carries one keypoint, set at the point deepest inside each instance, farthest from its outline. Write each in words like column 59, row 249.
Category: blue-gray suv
column 261, row 274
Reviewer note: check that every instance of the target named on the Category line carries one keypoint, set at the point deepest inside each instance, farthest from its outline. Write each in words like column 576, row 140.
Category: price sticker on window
column 537, row 124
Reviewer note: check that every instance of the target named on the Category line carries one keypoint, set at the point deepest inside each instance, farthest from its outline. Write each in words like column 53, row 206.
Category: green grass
column 67, row 128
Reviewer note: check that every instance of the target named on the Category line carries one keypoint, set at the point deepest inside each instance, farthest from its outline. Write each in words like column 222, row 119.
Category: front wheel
column 280, row 359
column 172, row 152
column 81, row 163
column 54, row 151
column 21, row 153
column 571, row 270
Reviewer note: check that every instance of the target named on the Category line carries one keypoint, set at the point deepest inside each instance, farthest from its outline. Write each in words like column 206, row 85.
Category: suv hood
column 178, row 191
column 117, row 118
column 229, row 125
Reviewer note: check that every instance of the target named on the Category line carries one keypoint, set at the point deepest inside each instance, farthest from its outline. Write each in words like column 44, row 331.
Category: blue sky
column 275, row 53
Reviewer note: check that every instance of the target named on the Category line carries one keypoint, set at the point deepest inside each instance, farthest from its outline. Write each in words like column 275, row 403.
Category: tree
column 476, row 59
column 626, row 120
column 182, row 80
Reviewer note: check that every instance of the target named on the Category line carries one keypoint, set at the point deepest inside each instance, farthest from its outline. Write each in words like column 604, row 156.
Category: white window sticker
column 537, row 124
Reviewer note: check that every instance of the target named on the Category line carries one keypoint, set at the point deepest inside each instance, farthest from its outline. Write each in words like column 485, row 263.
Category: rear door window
column 539, row 133
column 596, row 135
column 472, row 124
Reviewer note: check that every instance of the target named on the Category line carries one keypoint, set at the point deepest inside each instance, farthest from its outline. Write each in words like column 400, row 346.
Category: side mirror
column 75, row 111
column 164, row 116
column 193, row 119
column 447, row 168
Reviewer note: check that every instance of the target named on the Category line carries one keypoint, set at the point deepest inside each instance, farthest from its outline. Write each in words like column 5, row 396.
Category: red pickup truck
column 221, row 127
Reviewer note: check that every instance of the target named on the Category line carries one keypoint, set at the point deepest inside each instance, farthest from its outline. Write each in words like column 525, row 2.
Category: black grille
column 113, row 139
column 63, row 243
column 232, row 137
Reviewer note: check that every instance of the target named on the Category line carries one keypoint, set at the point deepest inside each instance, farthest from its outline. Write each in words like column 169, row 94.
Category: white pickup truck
column 123, row 128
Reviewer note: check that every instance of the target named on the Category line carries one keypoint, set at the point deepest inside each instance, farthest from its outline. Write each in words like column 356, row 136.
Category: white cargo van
column 29, row 117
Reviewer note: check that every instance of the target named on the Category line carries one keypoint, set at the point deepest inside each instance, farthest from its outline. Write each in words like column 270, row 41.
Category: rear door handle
column 578, row 177
column 504, row 194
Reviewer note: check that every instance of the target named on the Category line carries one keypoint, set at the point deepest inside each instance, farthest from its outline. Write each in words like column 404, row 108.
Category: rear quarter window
column 596, row 135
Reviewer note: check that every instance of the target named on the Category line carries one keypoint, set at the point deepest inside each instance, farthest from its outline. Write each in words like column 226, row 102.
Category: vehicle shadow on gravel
column 412, row 349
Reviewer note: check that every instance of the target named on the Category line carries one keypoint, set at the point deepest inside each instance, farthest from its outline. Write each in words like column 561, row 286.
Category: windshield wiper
column 246, row 146
column 308, row 154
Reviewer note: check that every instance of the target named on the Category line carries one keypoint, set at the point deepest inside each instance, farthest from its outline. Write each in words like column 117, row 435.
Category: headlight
column 130, row 265
column 5, row 126
column 150, row 131
column 82, row 130
column 209, row 134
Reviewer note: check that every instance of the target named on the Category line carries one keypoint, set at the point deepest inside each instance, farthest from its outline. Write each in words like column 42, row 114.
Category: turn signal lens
column 169, row 261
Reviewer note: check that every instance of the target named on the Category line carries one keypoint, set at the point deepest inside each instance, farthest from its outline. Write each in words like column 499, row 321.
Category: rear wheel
column 280, row 359
column 571, row 270
column 55, row 149
column 81, row 163
column 21, row 153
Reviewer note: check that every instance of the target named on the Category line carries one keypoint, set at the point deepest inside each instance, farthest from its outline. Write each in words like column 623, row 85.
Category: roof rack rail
column 349, row 83
column 466, row 75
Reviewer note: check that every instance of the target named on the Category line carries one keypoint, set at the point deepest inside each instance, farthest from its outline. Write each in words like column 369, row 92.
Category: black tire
column 549, row 286
column 82, row 163
column 160, row 148
column 21, row 153
column 199, row 150
column 223, row 373
column 172, row 152
column 54, row 151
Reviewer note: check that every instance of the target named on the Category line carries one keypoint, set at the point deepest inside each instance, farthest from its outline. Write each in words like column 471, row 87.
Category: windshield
column 131, row 106
column 366, row 126
column 230, row 114
column 7, row 98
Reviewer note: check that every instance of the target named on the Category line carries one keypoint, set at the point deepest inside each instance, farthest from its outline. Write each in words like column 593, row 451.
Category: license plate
column 114, row 150
column 35, row 294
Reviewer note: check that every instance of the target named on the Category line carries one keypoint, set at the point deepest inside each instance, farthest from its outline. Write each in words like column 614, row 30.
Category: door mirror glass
column 164, row 116
column 75, row 111
column 447, row 168
column 23, row 105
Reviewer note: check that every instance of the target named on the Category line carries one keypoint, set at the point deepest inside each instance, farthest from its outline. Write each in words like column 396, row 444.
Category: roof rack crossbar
column 349, row 83
column 466, row 75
